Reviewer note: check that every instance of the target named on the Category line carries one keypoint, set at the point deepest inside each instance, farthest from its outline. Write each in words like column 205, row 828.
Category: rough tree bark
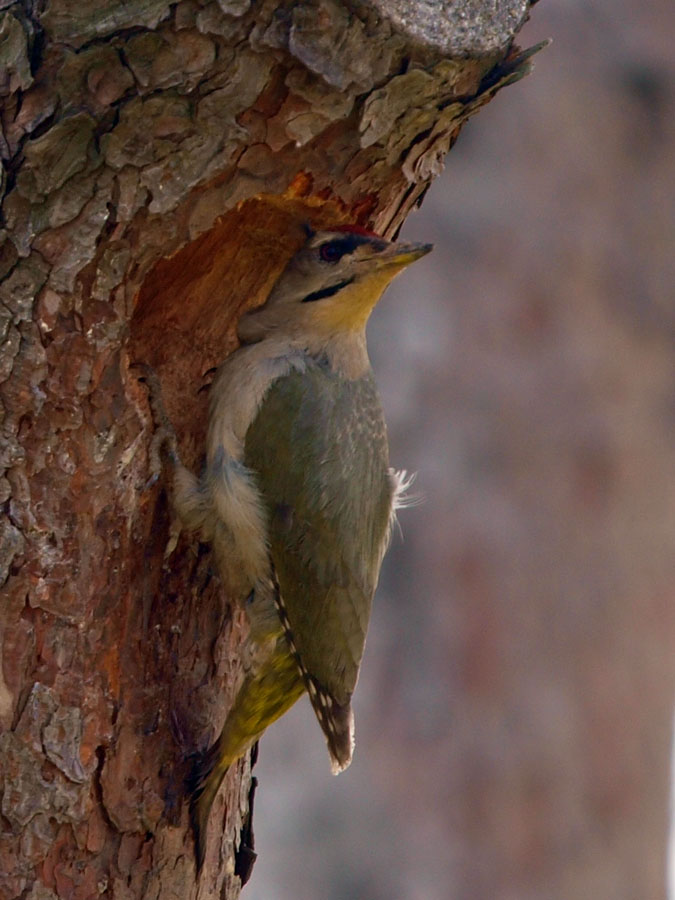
column 158, row 161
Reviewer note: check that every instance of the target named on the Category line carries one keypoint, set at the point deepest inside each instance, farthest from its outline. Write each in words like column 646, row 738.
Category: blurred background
column 514, row 713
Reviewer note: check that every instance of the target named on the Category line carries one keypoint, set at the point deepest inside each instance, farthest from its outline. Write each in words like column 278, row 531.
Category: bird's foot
column 164, row 444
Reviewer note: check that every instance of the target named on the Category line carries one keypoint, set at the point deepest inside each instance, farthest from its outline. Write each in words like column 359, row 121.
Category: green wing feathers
column 318, row 449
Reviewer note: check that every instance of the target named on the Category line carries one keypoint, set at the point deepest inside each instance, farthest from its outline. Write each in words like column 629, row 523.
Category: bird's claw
column 148, row 375
column 164, row 442
column 163, row 446
column 151, row 482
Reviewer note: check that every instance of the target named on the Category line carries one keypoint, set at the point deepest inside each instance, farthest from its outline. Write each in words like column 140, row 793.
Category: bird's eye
column 331, row 251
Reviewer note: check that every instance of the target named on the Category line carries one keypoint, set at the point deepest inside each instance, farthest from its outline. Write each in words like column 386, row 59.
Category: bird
column 297, row 497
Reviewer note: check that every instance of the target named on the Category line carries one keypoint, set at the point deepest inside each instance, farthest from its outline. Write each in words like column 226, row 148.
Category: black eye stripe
column 331, row 251
column 327, row 291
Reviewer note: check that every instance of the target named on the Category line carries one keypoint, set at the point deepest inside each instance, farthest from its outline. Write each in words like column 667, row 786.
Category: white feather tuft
column 402, row 483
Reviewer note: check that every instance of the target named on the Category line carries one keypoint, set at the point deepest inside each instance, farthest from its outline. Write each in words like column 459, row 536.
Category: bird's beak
column 402, row 254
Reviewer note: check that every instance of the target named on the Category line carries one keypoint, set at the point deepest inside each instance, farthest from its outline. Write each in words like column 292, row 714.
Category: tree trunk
column 159, row 162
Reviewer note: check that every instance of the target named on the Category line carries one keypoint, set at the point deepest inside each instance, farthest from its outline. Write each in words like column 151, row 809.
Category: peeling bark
column 158, row 161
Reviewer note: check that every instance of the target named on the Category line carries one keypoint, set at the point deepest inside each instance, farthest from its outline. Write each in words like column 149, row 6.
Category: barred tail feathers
column 336, row 719
column 337, row 724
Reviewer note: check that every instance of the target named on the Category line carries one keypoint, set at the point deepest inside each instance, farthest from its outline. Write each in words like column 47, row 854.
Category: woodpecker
column 297, row 498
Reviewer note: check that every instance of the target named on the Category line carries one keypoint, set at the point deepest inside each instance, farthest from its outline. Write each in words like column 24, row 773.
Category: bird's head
column 330, row 287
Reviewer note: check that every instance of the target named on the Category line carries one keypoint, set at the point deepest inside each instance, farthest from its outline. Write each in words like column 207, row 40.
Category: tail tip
column 340, row 738
column 198, row 820
column 339, row 765
column 202, row 784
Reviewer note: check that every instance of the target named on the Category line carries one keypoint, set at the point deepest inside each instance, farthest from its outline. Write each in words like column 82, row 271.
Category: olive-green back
column 318, row 448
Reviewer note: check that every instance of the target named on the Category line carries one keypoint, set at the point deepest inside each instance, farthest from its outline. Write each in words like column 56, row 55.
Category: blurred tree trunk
column 159, row 160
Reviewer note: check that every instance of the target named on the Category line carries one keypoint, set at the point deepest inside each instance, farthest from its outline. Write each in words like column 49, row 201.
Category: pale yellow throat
column 350, row 309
